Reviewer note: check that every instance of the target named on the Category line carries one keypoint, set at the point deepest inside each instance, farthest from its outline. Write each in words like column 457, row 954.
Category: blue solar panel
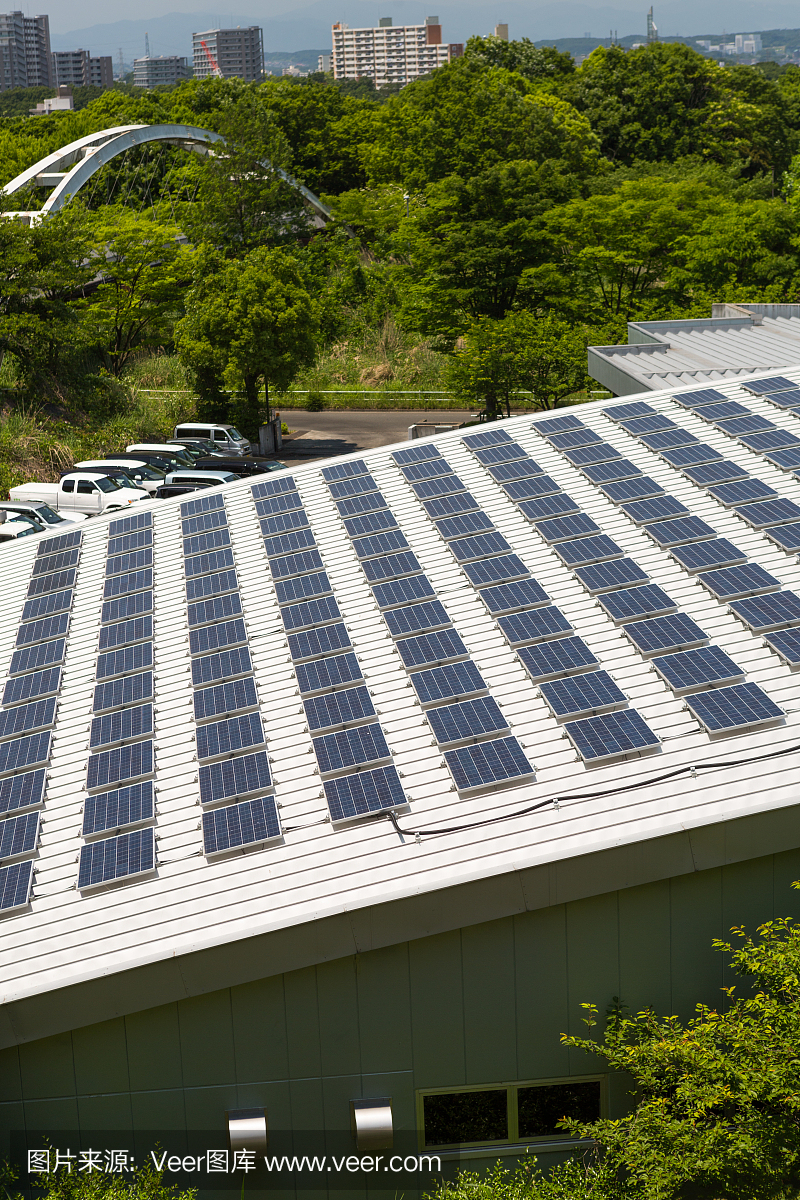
column 427, row 470
column 534, row 625
column 704, row 556
column 273, row 487
column 623, row 412
column 380, row 543
column 203, row 523
column 669, row 439
column 787, row 460
column 224, row 665
column 770, row 440
column 763, row 387
column 429, row 489
column 466, row 720
column 31, row 658
column 561, row 505
column 771, row 512
column 490, row 437
column 130, row 541
column 688, row 456
column 699, row 399
column 691, row 669
column 739, row 707
column 495, row 762
column 742, row 492
column 133, row 561
column 51, row 583
column 512, row 597
column 588, row 550
column 216, row 637
column 230, row 735
column 590, row 455
column 764, row 613
column 360, row 504
column 562, row 529
column 415, row 454
column 310, row 613
column 531, row 489
column 234, row 777
column 25, row 718
column 44, row 605
column 314, row 643
column 283, row 522
column 629, row 603
column 581, row 695
column 551, row 659
column 785, row 536
column 15, row 885
column 199, row 543
column 390, row 566
column 225, row 698
column 245, row 824
column 482, row 545
column 557, row 425
column 642, row 512
column 22, row 791
column 344, row 470
column 121, row 857
column 287, row 543
column 785, row 400
column 364, row 793
column 718, row 472
column 126, row 606
column 219, row 608
column 121, row 726
column 135, row 581
column 746, row 425
column 403, row 591
column 140, row 629
column 28, row 687
column 114, row 810
column 431, row 649
column 207, row 564
column 370, row 523
column 662, row 634
column 296, row 564
column 449, row 506
column 509, row 472
column 786, row 644
column 608, row 472
column 495, row 570
column 64, row 541
column 130, row 689
column 139, row 520
column 679, row 532
column 467, row 523
column 733, row 582
column 577, row 437
column 724, row 411
column 416, row 618
column 350, row 748
column 121, row 662
column 115, row 766
column 191, row 508
column 508, row 452
column 211, row 585
column 55, row 562
column 19, row 835
column 302, row 587
column 447, row 682
column 336, row 671
column 605, row 577
column 272, row 506
column 608, row 736
column 652, row 424
column 359, row 485
column 42, row 631
column 641, row 488
column 338, row 708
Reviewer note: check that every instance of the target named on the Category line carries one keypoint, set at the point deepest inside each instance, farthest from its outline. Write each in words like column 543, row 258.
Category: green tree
column 538, row 63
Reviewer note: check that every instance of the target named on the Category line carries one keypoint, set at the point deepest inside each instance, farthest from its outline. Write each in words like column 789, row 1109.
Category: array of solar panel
column 501, row 760
column 15, row 885
column 769, row 512
column 355, row 486
column 229, row 736
column 657, row 423
column 785, row 400
column 121, row 726
column 771, row 440
column 741, row 492
column 622, row 412
column 717, row 472
column 467, row 720
column 431, row 469
column 344, row 470
column 699, row 399
column 548, row 660
column 340, row 708
column 703, row 556
column 642, row 488
column 658, row 508
column 534, row 625
column 631, row 603
column 562, row 529
column 786, row 644
column 701, row 668
column 785, row 536
column 669, row 439
column 560, row 505
column 688, row 456
column 578, row 437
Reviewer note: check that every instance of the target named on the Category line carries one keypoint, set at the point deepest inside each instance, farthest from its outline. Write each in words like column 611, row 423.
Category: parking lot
column 319, row 435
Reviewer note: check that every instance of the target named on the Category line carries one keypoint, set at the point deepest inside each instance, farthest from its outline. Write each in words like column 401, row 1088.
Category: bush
column 315, row 402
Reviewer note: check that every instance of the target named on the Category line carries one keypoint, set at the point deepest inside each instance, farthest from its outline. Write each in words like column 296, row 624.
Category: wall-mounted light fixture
column 371, row 1123
column 247, row 1129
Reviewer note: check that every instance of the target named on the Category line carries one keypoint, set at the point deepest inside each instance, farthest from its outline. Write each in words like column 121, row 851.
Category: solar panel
column 314, row 643
column 427, row 470
column 622, row 412
column 632, row 489
column 487, row 763
column 449, row 506
column 787, row 460
column 225, row 698
column 745, row 425
column 786, row 644
column 360, row 504
column 467, row 523
column 669, row 439
column 28, row 687
column 548, row 660
column 380, row 543
column 370, row 523
column 350, row 748
column 763, row 387
column 191, row 508
column 688, row 456
column 211, row 585
column 495, row 570
column 592, row 454
column 245, row 824
column 114, row 810
column 429, row 489
column 286, row 543
column 509, row 472
column 416, row 618
column 283, row 523
column 509, row 452
column 274, row 505
column 215, row 637
column 479, row 441
column 338, row 708
column 562, row 529
column 512, row 597
column 718, row 472
column 224, row 665
column 699, row 399
column 22, row 791
column 630, row 603
column 662, row 634
column 203, row 523
column 121, row 662
column 657, row 423
column 605, row 577
column 139, row 520
column 733, row 582
column 582, row 695
column 130, row 689
column 302, row 587
column 15, row 885
column 344, row 470
column 122, row 857
column 390, row 566
column 140, row 629
column 703, row 556
column 770, row 440
column 739, row 707
column 679, row 532
column 588, row 550
column 55, row 562
column 234, row 777
column 610, row 735
column 357, row 486
column 415, row 454
column 130, row 541
column 534, row 625
column 482, row 545
column 444, row 683
column 531, row 489
column 121, row 726
column 764, row 613
column 213, row 539
column 25, row 718
column 608, row 472
column 577, row 437
column 19, row 835
column 31, row 658
column 364, row 793
column 785, row 536
column 126, row 606
column 296, row 564
column 336, row 671
column 403, row 591
column 726, row 410
column 54, row 545
column 771, row 512
column 207, row 564
column 218, row 608
column 431, row 649
column 230, row 735
column 44, row 605
column 310, row 613
column 43, row 630
column 272, row 487
column 466, row 720
column 115, row 766
column 785, row 400
column 556, row 425
column 741, row 492
column 642, row 512
column 135, row 581
column 51, row 583
column 561, row 505
column 691, row 669
column 133, row 561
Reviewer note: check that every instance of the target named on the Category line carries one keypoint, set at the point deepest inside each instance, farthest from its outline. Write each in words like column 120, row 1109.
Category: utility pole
column 121, row 66
column 147, row 45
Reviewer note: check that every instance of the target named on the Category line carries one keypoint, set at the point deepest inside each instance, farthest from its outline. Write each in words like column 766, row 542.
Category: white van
column 226, row 437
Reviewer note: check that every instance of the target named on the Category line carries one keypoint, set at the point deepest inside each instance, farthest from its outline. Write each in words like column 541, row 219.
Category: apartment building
column 390, row 53
column 24, row 51
column 77, row 68
column 229, row 53
column 159, row 70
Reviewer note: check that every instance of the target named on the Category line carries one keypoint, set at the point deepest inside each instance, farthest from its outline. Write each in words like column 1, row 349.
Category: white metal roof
column 319, row 868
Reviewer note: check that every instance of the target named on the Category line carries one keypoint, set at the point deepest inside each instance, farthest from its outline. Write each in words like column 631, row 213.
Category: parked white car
column 79, row 493
column 209, row 478
column 140, row 473
column 14, row 526
column 226, row 437
column 52, row 521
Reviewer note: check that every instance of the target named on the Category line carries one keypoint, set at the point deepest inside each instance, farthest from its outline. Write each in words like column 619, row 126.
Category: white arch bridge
column 67, row 170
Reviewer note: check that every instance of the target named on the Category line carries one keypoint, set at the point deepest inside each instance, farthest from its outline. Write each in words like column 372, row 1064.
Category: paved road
column 327, row 433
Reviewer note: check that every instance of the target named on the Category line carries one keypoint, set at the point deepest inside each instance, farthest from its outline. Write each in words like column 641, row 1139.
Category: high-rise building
column 501, row 31
column 77, row 68
column 230, row 53
column 325, row 62
column 390, row 53
column 161, row 69
column 748, row 43
column 24, row 51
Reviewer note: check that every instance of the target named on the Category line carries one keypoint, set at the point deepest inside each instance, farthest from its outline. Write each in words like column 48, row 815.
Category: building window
column 482, row 1116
